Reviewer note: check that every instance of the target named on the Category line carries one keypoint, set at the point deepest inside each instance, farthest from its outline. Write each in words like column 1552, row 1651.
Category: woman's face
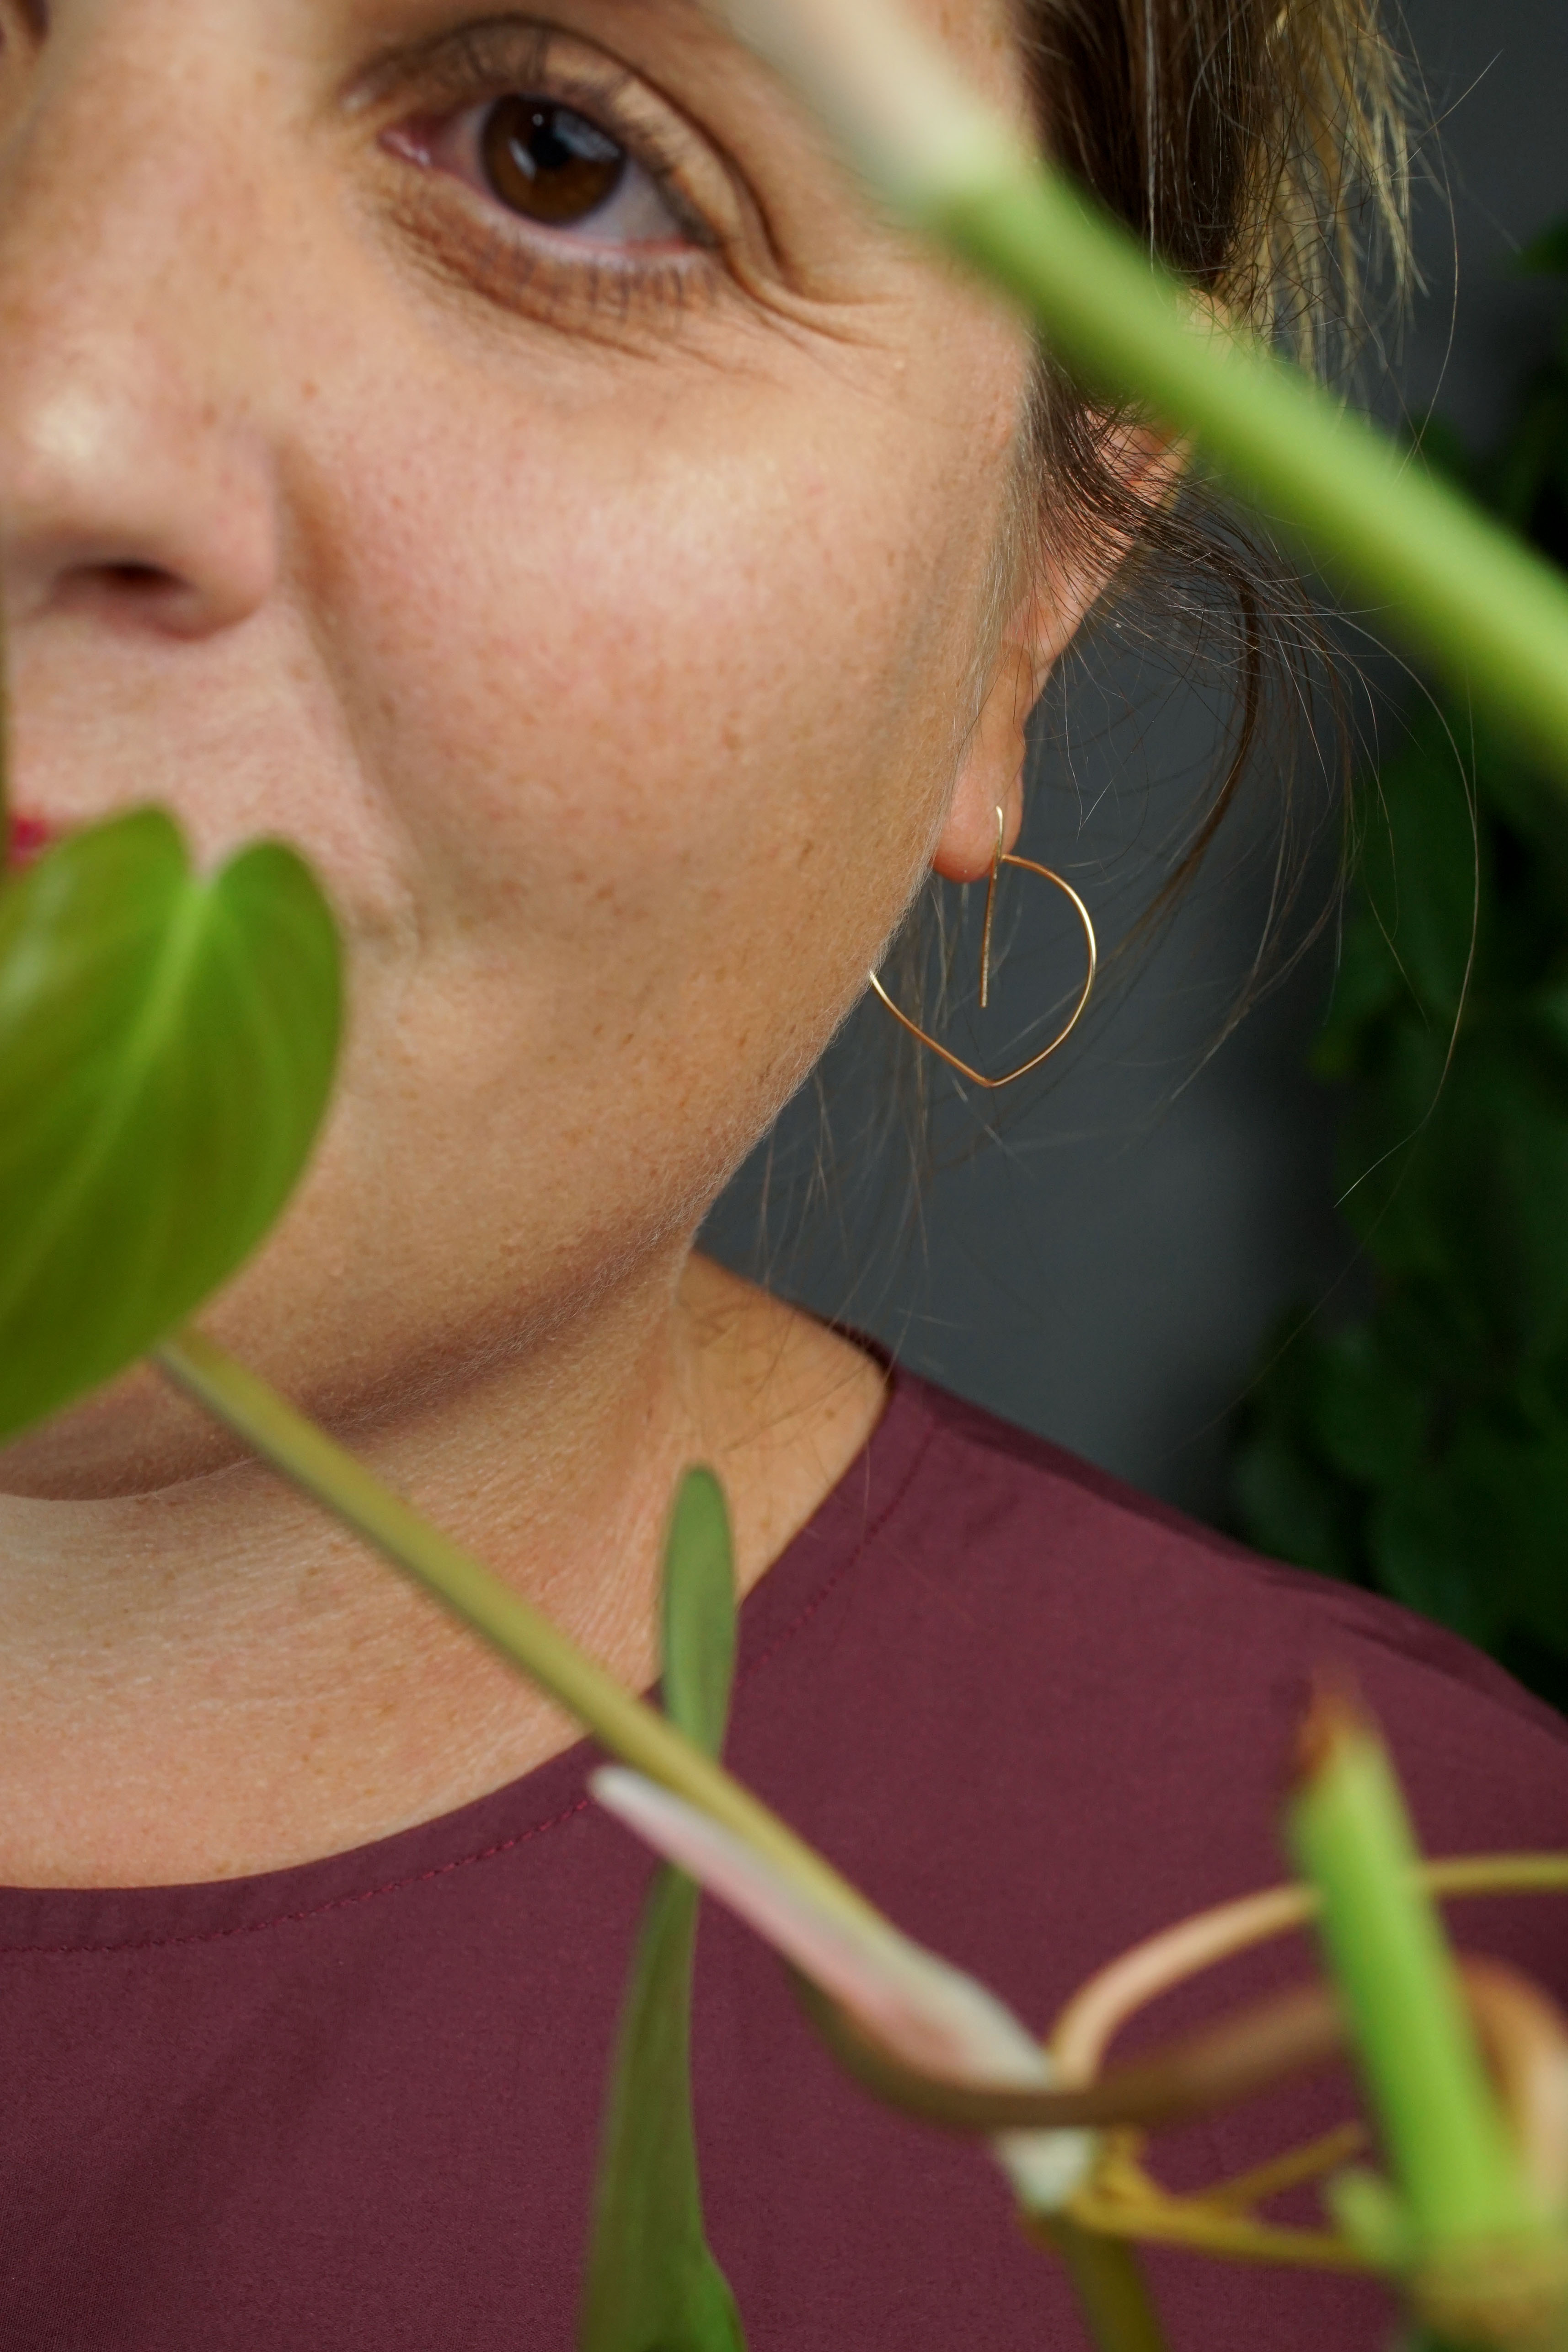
column 504, row 456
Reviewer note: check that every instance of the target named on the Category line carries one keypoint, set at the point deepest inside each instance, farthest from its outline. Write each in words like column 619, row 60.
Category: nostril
column 139, row 577
column 128, row 593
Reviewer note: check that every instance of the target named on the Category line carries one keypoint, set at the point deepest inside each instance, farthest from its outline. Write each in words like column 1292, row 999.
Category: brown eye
column 547, row 163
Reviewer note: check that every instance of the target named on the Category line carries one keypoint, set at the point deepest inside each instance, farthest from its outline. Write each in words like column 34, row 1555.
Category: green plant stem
column 636, row 1733
column 1458, row 2173
column 1455, row 586
column 1440, row 574
column 1113, row 2292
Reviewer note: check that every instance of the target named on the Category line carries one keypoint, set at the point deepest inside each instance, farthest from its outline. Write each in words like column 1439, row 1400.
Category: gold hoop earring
column 976, row 1078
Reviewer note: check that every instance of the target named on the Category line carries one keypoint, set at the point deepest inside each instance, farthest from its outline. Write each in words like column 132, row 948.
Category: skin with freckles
column 505, row 457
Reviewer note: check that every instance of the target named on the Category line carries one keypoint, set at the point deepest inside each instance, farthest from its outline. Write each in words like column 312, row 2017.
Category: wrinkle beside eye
column 686, row 219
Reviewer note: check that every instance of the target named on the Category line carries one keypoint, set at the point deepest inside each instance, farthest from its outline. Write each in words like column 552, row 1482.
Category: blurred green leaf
column 699, row 1614
column 1370, row 1416
column 1367, row 983
column 1533, row 459
column 1442, row 449
column 167, row 1043
column 1512, row 1488
column 653, row 2285
column 1461, row 2199
column 1424, row 1450
column 1472, row 1211
column 1289, row 1506
column 1418, row 873
column 1549, row 254
column 1416, row 1536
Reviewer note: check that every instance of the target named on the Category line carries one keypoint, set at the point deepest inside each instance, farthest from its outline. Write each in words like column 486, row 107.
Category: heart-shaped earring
column 976, row 1078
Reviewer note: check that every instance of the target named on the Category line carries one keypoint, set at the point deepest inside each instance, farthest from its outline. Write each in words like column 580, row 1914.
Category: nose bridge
column 126, row 441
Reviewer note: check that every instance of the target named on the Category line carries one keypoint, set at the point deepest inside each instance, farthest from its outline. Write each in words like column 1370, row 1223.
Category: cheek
column 660, row 696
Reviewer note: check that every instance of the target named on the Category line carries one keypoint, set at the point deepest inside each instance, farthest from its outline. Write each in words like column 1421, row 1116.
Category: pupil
column 549, row 164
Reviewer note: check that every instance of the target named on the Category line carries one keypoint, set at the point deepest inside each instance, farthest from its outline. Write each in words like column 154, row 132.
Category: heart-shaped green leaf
column 653, row 2285
column 167, row 1043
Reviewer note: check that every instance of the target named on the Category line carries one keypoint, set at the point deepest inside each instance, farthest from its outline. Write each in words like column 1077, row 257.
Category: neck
column 211, row 1678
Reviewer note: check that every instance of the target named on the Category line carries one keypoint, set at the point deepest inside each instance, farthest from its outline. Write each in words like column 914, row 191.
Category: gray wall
column 1103, row 1260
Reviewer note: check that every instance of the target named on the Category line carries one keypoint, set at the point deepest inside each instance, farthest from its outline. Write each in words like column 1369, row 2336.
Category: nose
column 133, row 479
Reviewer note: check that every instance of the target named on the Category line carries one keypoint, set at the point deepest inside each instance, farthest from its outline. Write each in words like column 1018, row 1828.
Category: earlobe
column 991, row 776
column 1150, row 468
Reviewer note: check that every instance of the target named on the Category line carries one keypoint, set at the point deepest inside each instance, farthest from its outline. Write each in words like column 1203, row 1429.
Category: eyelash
column 524, row 265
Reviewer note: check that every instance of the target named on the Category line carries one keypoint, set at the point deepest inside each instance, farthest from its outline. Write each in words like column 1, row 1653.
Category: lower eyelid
column 560, row 281
column 424, row 143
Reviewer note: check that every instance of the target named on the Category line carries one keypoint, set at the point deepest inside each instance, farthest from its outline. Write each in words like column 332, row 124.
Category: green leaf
column 1370, row 1416
column 700, row 1630
column 1416, row 1542
column 1419, row 867
column 1485, row 1187
column 653, row 2285
column 1549, row 254
column 1368, row 982
column 1288, row 1506
column 167, row 1043
column 1514, row 1492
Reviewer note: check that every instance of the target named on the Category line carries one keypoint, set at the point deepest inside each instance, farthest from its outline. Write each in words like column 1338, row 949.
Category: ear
column 991, row 775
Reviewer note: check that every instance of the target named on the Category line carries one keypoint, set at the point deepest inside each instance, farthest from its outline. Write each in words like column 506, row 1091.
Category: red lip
column 29, row 837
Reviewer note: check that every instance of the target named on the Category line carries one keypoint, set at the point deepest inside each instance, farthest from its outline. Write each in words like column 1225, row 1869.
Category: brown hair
column 1258, row 148
column 1250, row 143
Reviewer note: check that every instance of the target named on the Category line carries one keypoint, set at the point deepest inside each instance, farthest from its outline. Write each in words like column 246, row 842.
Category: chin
column 135, row 1437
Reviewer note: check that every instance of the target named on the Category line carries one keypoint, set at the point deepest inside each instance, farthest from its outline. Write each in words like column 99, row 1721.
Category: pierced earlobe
column 1027, row 865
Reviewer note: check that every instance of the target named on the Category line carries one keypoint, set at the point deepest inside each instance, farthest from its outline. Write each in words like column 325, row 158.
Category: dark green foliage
column 167, row 1043
column 1424, row 1451
column 652, row 2285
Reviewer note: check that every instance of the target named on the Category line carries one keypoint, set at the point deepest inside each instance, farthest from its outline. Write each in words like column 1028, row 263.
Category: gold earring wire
column 976, row 1078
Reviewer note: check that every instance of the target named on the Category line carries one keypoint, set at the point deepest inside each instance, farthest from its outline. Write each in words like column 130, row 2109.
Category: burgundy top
column 354, row 2105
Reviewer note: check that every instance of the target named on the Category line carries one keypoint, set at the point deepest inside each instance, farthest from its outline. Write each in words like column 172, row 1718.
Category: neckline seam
column 870, row 1533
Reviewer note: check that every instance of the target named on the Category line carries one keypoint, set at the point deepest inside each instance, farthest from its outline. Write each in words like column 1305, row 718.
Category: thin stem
column 1417, row 2048
column 1108, row 2279
column 1239, row 2055
column 1160, row 2221
column 1243, row 2192
column 1525, row 2037
column 638, row 1733
column 1099, row 2008
column 1453, row 584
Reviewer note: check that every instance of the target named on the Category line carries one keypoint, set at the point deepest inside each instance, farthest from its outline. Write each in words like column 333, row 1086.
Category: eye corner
column 644, row 208
column 411, row 139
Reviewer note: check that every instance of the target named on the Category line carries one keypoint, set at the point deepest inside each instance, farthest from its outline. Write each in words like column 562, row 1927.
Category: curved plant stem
column 1100, row 2007
column 1436, row 571
column 1525, row 2038
column 638, row 1733
column 1459, row 2175
column 1451, row 582
column 1239, row 2056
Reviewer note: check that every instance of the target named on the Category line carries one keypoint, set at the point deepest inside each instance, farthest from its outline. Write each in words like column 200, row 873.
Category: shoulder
column 1114, row 1546
column 1038, row 1718
column 997, row 1649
